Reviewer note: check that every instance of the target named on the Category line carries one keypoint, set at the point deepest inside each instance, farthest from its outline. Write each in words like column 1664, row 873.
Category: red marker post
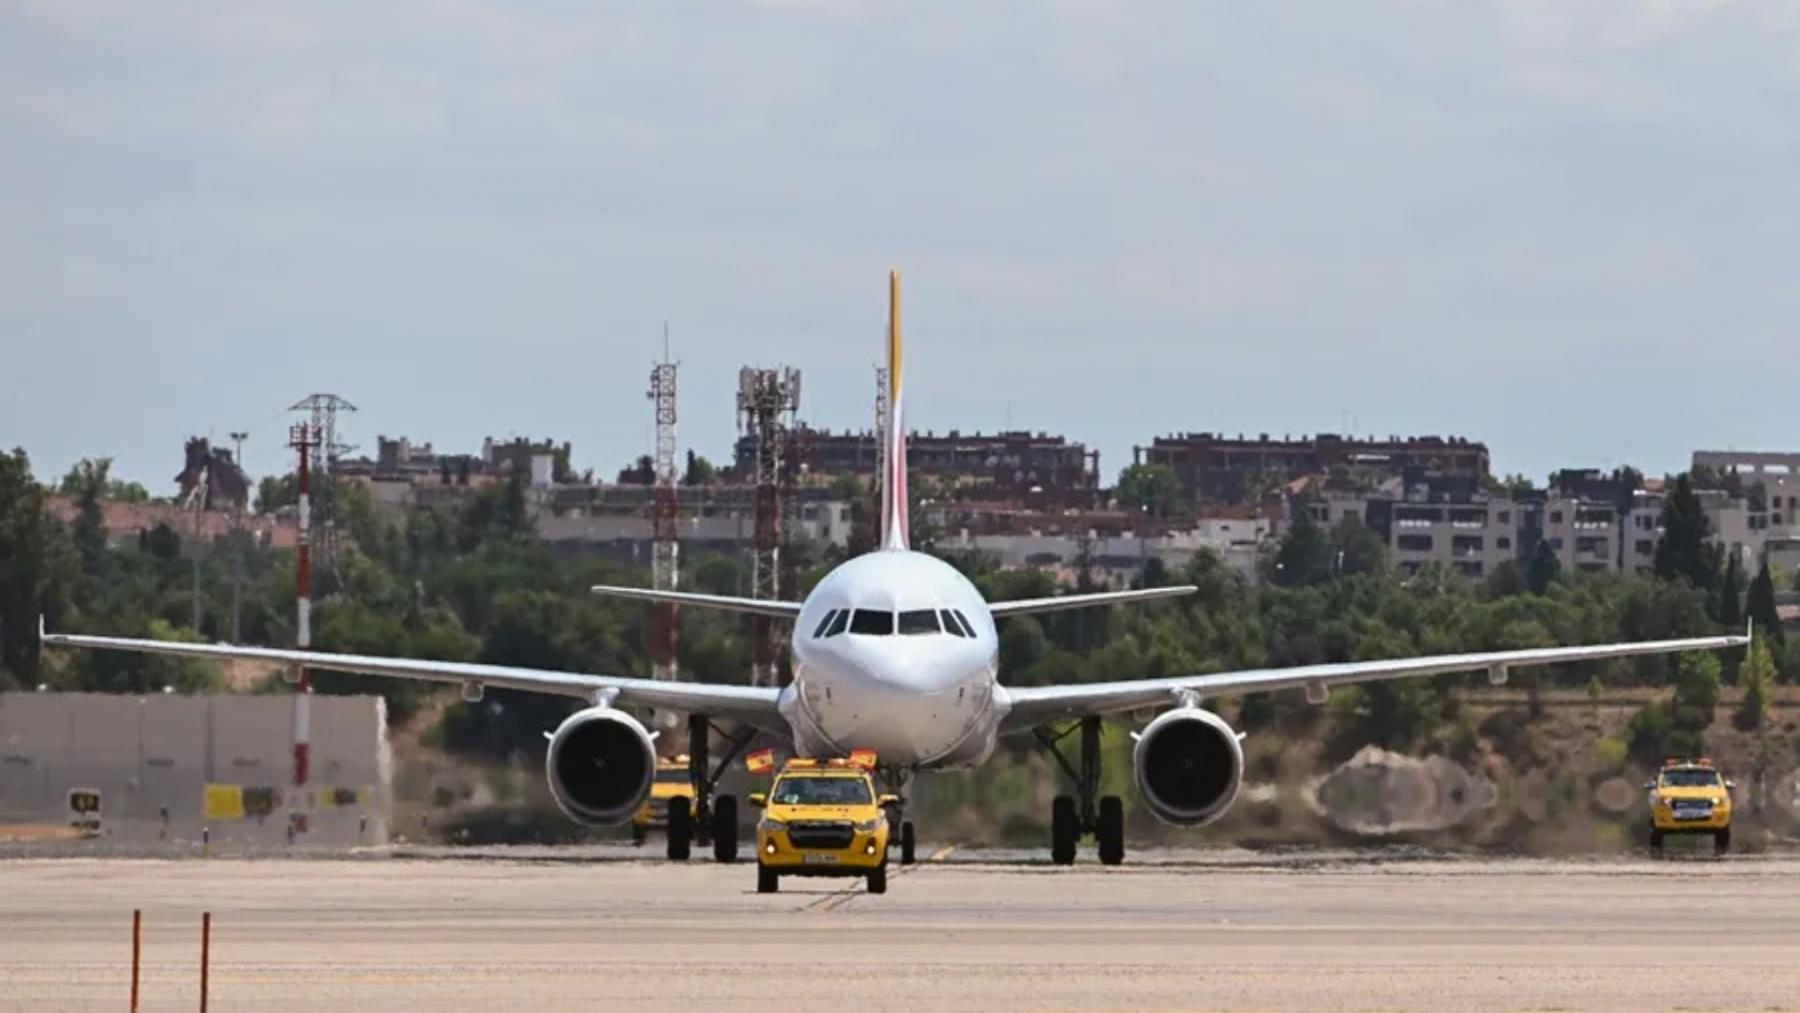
column 137, row 952
column 205, row 954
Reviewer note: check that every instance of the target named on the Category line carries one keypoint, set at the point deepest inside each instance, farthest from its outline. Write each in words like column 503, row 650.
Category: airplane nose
column 905, row 668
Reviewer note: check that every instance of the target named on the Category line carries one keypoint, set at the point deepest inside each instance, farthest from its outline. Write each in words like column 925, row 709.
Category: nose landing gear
column 1071, row 817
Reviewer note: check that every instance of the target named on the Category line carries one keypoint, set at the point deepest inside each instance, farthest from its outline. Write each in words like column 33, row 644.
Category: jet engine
column 1188, row 764
column 601, row 766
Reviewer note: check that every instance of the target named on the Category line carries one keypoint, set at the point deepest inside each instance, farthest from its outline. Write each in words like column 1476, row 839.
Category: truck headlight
column 770, row 826
column 870, row 826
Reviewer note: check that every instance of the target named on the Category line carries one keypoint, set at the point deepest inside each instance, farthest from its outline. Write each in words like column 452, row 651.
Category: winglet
column 42, row 636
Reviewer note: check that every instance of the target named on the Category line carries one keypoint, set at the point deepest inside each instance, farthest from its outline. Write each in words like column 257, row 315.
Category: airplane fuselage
column 896, row 651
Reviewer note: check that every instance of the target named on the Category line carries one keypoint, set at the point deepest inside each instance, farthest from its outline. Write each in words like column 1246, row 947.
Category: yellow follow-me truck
column 822, row 818
column 1690, row 797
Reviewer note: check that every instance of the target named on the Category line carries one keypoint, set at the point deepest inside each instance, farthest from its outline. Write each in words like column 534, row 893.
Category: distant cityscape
column 1037, row 500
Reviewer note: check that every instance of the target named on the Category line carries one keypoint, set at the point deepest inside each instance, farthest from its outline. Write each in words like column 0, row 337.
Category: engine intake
column 600, row 766
column 1188, row 764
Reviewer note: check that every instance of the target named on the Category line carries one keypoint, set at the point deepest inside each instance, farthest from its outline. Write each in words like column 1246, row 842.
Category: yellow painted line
column 942, row 853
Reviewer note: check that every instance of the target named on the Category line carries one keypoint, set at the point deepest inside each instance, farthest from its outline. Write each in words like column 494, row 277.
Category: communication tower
column 767, row 402
column 665, row 551
column 322, row 411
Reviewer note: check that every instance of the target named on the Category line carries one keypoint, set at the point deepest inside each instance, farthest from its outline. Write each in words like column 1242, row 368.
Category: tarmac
column 609, row 928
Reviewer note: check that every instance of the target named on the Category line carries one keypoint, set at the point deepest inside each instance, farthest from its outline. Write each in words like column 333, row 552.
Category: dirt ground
column 581, row 929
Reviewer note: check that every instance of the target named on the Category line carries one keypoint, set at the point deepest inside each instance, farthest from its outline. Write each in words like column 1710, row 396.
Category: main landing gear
column 893, row 782
column 1071, row 817
column 705, row 818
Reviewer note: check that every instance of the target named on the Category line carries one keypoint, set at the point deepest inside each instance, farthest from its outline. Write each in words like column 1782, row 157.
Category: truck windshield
column 806, row 790
column 672, row 777
column 1690, row 778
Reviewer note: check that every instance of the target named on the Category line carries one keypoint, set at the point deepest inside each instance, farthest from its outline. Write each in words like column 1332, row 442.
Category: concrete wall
column 151, row 753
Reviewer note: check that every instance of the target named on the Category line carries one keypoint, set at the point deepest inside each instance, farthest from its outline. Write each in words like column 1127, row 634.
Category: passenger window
column 950, row 623
column 825, row 624
column 872, row 623
column 918, row 621
column 837, row 625
column 967, row 628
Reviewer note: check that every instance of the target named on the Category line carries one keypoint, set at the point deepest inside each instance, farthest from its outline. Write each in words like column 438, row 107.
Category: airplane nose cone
column 906, row 703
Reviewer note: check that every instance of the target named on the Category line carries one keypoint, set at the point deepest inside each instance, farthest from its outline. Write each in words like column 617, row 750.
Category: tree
column 1305, row 554
column 1151, row 489
column 275, row 492
column 1544, row 570
column 700, row 471
column 1683, row 552
column 1731, row 589
column 1356, row 549
column 1760, row 606
column 95, row 473
column 1758, row 676
column 28, row 563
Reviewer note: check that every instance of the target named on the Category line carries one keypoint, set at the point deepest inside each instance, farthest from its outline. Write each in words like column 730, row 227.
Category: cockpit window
column 964, row 620
column 838, row 624
column 825, row 624
column 918, row 621
column 950, row 625
column 872, row 623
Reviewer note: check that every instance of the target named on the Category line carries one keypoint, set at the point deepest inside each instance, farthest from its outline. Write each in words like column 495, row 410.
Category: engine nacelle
column 600, row 766
column 1188, row 765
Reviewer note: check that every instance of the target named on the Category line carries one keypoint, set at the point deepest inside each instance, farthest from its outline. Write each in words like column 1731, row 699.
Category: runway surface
column 563, row 929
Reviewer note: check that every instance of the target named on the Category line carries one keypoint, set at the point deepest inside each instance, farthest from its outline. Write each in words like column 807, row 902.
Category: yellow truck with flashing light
column 822, row 818
column 1690, row 797
column 673, row 781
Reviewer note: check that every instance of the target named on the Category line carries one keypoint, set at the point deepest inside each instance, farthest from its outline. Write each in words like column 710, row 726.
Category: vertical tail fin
column 893, row 484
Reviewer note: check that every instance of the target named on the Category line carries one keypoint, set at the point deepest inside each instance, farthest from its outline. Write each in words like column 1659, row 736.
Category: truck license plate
column 821, row 859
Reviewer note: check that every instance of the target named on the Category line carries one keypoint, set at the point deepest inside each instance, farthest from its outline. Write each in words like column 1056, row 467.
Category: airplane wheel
column 1111, row 831
column 1722, row 841
column 1063, row 830
column 906, row 843
column 766, row 879
column 638, row 834
column 725, row 828
column 681, row 828
column 878, row 879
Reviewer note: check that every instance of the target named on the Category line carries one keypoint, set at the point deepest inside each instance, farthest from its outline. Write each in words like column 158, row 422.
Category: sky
column 1565, row 227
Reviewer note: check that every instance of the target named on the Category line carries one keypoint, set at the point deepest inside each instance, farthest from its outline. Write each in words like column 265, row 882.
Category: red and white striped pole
column 302, row 440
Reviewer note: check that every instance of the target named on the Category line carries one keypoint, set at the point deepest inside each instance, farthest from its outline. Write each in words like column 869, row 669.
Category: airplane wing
column 1033, row 706
column 756, row 606
column 750, row 704
column 1027, row 606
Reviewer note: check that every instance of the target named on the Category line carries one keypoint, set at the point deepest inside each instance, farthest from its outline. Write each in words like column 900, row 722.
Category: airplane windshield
column 1690, row 778
column 918, row 621
column 811, row 790
column 872, row 623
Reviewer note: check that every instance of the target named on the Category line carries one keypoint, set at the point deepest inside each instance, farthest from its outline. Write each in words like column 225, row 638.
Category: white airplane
column 896, row 651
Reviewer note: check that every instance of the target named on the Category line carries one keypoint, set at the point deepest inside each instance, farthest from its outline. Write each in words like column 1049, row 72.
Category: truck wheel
column 725, row 828
column 878, row 879
column 1111, row 831
column 1656, row 840
column 906, row 843
column 1063, row 830
column 681, row 828
column 767, row 881
column 1722, row 841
